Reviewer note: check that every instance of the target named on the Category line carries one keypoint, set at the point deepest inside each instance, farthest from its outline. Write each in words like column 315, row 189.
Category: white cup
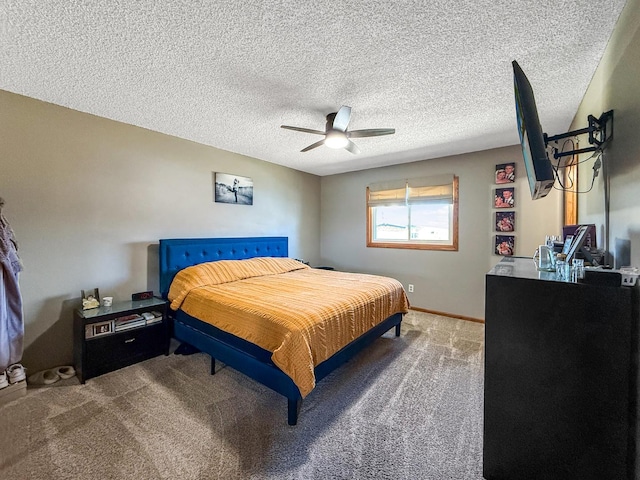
column 107, row 301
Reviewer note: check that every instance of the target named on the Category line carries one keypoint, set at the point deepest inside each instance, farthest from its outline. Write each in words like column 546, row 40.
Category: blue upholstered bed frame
column 248, row 358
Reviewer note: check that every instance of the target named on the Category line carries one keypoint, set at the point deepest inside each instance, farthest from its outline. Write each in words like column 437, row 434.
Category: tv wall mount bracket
column 600, row 131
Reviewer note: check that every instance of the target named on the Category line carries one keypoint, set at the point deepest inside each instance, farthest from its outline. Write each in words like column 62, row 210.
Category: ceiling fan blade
column 312, row 146
column 341, row 121
column 300, row 129
column 352, row 147
column 371, row 132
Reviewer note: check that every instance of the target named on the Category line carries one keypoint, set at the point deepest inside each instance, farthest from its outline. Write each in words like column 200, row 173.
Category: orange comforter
column 302, row 315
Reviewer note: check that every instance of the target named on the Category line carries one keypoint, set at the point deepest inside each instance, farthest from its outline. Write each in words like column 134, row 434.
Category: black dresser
column 561, row 367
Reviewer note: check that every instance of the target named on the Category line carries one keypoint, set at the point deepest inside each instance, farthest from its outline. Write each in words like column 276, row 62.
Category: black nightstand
column 109, row 338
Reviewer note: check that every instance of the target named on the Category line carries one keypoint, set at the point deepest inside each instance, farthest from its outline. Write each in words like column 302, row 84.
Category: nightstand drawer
column 126, row 346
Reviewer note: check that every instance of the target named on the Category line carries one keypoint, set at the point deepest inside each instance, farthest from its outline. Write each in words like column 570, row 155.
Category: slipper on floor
column 45, row 377
column 65, row 372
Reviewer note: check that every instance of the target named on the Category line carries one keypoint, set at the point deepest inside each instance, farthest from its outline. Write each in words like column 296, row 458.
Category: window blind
column 388, row 194
column 430, row 190
column 415, row 191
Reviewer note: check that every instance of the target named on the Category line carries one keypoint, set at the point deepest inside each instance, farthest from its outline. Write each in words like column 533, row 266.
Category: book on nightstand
column 129, row 321
column 152, row 317
column 127, row 326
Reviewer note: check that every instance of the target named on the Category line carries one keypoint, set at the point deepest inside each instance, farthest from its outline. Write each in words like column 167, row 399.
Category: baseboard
column 446, row 314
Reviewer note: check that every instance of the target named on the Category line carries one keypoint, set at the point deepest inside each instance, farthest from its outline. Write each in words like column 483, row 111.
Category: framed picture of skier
column 228, row 188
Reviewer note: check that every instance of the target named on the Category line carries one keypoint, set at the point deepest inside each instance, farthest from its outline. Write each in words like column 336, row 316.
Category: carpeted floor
column 405, row 408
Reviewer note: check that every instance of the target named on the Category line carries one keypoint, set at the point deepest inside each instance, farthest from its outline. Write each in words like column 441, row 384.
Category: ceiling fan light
column 336, row 139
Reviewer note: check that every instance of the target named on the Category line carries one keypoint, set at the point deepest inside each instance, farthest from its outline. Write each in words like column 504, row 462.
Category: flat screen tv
column 534, row 150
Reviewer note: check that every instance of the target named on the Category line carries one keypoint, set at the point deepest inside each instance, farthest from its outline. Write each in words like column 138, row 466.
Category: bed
column 275, row 319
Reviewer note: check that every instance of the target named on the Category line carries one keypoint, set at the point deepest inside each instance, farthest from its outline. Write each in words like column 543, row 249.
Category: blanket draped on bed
column 302, row 315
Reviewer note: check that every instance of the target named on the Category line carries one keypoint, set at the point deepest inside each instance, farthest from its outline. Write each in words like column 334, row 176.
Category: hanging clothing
column 11, row 317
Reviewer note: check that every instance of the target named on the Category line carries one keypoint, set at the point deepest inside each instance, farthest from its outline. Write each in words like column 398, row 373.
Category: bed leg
column 293, row 410
column 213, row 365
column 397, row 330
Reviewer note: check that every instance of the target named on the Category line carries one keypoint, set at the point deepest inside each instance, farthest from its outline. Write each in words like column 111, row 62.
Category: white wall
column 88, row 199
column 616, row 86
column 451, row 282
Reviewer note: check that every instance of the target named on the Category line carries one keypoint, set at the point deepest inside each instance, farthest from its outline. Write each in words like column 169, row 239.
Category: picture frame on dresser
column 90, row 298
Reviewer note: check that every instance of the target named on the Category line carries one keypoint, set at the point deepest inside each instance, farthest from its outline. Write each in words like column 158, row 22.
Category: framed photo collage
column 504, row 202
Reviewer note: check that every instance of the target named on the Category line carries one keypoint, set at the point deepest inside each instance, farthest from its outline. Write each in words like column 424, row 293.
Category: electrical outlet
column 410, row 288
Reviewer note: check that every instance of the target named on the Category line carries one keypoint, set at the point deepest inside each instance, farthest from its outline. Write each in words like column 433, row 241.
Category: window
column 420, row 213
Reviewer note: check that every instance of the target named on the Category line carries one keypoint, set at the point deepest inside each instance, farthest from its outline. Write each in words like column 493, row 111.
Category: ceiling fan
column 336, row 134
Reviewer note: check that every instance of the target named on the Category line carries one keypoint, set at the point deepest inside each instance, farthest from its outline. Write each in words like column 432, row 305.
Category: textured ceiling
column 228, row 73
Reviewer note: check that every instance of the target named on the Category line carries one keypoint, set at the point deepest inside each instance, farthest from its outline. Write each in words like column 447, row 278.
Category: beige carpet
column 405, row 408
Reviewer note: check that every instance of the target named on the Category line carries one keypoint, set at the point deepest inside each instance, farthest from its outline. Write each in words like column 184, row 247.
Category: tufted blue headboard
column 179, row 253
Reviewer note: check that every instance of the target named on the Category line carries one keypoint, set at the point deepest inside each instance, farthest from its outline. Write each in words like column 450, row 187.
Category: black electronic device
column 590, row 241
column 577, row 242
column 601, row 277
column 578, row 245
column 567, row 244
column 142, row 296
column 534, row 151
column 540, row 171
